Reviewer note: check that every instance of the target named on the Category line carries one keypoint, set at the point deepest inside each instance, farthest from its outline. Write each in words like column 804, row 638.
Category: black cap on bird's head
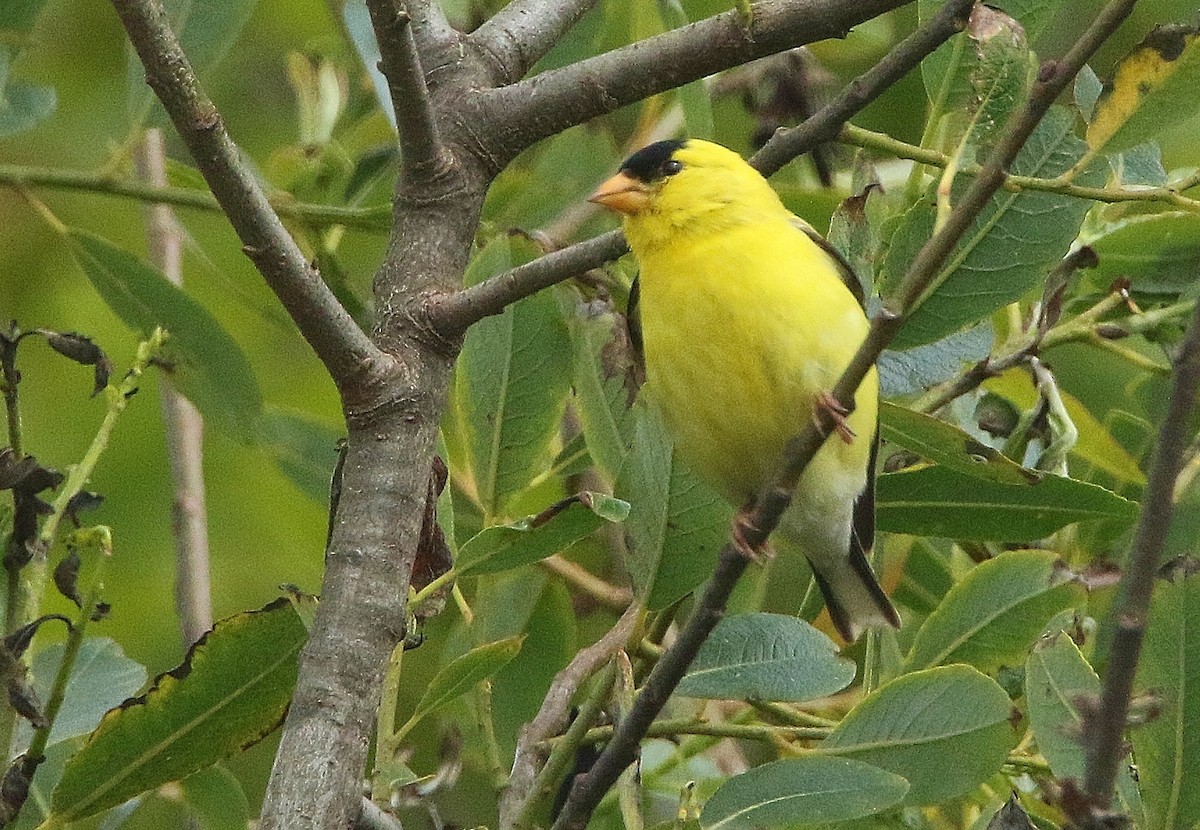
column 651, row 162
column 629, row 191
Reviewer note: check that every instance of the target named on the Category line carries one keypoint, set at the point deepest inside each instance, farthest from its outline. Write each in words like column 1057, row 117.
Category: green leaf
column 766, row 657
column 945, row 730
column 1139, row 165
column 927, row 578
column 504, row 547
column 949, row 446
column 935, row 501
column 22, row 104
column 918, row 368
column 232, row 690
column 1167, row 749
column 953, row 73
column 808, row 791
column 303, row 448
column 101, row 678
column 215, row 799
column 854, row 232
column 1152, row 89
column 1057, row 680
column 676, row 524
column 1009, row 249
column 999, row 78
column 208, row 366
column 461, row 674
column 603, row 384
column 1158, row 252
column 1095, row 443
column 512, row 381
column 1087, row 91
column 206, row 29
column 992, row 617
column 549, row 644
column 19, row 15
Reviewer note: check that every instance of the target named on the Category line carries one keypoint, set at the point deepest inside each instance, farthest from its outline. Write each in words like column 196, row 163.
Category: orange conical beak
column 622, row 193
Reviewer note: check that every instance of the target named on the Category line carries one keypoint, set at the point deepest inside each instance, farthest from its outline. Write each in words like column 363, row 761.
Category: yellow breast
column 742, row 331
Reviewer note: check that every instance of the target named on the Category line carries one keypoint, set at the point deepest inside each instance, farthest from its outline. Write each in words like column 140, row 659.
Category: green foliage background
column 263, row 530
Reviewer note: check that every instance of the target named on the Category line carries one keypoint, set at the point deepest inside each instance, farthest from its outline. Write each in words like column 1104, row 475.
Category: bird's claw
column 742, row 525
column 838, row 413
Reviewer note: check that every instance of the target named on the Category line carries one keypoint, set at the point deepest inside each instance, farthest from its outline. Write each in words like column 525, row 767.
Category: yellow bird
column 748, row 319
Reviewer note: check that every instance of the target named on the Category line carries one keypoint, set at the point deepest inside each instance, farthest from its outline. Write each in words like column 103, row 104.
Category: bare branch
column 452, row 313
column 771, row 504
column 554, row 713
column 420, row 145
column 826, row 124
column 1104, row 730
column 522, row 32
column 182, row 425
column 519, row 115
column 373, row 817
column 341, row 345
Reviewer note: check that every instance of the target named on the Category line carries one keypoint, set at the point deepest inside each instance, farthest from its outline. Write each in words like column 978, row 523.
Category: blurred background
column 265, row 529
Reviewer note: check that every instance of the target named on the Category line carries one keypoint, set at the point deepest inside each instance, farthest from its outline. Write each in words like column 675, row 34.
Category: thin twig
column 420, row 145
column 1170, row 195
column 376, row 218
column 521, row 33
column 553, row 716
column 620, row 751
column 452, row 313
column 342, row 346
column 183, row 426
column 690, row 726
column 1104, row 729
column 117, row 397
column 582, row 581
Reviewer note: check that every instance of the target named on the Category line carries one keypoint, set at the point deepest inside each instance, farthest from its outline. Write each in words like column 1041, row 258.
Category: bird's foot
column 742, row 525
column 833, row 406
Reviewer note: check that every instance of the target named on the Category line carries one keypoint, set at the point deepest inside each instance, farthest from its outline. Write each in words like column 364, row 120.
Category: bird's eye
column 671, row 167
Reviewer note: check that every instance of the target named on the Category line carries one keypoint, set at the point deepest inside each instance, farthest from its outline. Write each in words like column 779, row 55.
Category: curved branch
column 619, row 753
column 515, row 117
column 522, row 32
column 420, row 145
column 341, row 345
column 452, row 313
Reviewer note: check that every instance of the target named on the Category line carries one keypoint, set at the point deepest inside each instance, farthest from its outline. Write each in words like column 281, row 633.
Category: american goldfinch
column 748, row 319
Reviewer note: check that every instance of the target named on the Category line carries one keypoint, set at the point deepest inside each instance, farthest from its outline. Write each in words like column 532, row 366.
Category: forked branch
column 341, row 345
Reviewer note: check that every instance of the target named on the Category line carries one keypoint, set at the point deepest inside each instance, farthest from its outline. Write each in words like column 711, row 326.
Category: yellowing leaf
column 1152, row 88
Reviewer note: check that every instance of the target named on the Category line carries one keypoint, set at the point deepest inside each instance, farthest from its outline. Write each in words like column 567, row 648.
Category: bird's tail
column 853, row 596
